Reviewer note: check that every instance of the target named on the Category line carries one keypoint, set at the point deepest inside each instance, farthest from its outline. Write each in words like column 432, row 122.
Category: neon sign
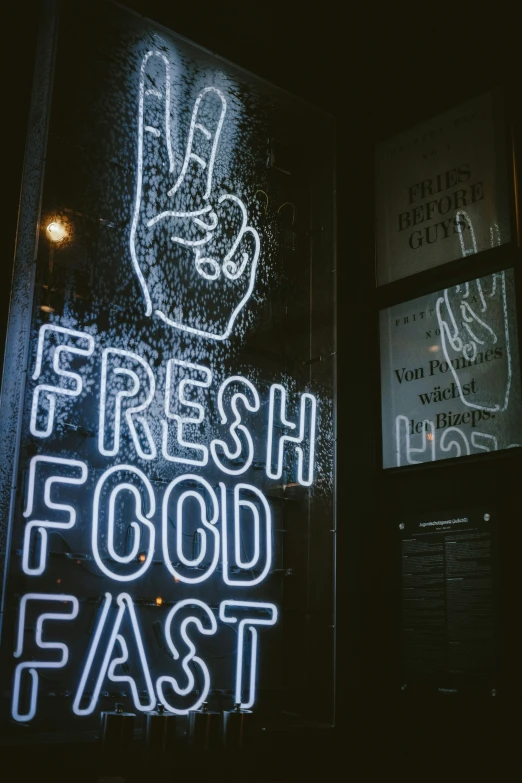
column 238, row 267
column 475, row 325
column 170, row 433
column 222, row 518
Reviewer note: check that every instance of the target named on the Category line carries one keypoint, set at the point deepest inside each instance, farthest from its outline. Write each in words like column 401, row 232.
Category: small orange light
column 430, row 436
column 159, row 601
column 58, row 580
column 47, row 309
column 142, row 557
column 176, row 579
column 78, row 562
column 56, row 232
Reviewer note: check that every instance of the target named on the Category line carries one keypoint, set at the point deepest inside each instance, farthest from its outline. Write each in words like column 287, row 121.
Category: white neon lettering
column 249, row 623
column 198, row 494
column 236, row 426
column 264, row 531
column 182, row 421
column 49, row 391
column 308, row 403
column 33, row 666
column 43, row 525
column 131, row 412
column 109, row 663
column 189, row 657
column 135, row 527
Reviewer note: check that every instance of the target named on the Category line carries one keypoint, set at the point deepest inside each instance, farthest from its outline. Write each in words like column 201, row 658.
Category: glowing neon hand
column 474, row 330
column 192, row 248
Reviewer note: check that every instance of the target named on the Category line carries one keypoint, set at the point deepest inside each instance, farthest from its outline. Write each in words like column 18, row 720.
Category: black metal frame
column 496, row 259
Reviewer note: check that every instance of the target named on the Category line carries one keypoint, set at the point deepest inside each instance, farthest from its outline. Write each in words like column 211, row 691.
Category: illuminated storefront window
column 168, row 396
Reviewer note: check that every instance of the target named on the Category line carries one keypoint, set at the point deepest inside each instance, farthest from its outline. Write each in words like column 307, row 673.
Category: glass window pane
column 441, row 190
column 172, row 451
column 450, row 374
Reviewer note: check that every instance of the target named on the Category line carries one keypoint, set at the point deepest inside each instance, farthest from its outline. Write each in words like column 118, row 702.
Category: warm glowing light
column 159, row 601
column 434, row 348
column 56, row 232
column 429, row 436
column 142, row 557
column 47, row 309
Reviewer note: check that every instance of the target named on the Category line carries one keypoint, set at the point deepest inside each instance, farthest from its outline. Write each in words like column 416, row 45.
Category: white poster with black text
column 441, row 190
column 450, row 375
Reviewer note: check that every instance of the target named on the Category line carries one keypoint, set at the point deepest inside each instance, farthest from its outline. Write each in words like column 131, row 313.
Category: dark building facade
column 377, row 73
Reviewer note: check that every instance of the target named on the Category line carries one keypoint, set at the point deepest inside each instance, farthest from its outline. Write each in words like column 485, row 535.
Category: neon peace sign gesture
column 193, row 251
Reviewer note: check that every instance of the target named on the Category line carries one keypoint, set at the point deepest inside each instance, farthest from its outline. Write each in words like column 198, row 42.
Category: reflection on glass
column 175, row 476
column 450, row 373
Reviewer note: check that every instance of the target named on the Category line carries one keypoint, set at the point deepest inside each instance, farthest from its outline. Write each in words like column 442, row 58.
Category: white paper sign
column 441, row 190
column 450, row 375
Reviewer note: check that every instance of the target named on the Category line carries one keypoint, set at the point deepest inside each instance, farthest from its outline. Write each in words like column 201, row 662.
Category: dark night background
column 377, row 69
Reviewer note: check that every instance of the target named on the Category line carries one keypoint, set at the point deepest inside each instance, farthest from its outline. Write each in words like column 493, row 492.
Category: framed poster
column 450, row 373
column 167, row 455
column 450, row 640
column 441, row 190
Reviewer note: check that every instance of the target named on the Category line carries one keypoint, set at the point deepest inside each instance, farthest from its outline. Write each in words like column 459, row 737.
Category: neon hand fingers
column 195, row 255
column 202, row 143
column 155, row 155
column 234, row 247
